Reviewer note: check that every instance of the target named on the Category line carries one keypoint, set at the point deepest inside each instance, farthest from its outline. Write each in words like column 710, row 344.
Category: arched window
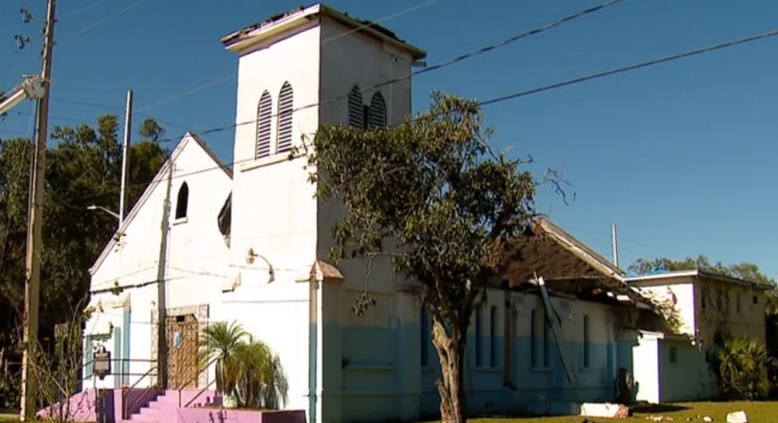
column 264, row 112
column 285, row 107
column 183, row 201
column 376, row 117
column 356, row 110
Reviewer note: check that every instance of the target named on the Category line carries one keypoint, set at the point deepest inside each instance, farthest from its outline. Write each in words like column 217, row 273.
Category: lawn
column 758, row 412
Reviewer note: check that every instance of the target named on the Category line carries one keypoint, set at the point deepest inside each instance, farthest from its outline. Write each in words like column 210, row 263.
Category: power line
column 81, row 10
column 447, row 63
column 513, row 39
column 325, row 41
column 630, row 67
column 101, row 21
column 551, row 86
column 115, row 109
column 450, row 62
column 509, row 96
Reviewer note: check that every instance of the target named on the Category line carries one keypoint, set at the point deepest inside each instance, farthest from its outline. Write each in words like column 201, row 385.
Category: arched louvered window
column 356, row 111
column 285, row 107
column 376, row 116
column 264, row 113
column 183, row 201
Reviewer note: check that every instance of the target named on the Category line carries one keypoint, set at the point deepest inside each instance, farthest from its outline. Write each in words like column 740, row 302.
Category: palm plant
column 245, row 368
column 220, row 341
column 260, row 379
column 742, row 369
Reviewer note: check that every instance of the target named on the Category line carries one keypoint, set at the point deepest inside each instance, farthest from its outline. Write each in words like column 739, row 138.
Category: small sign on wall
column 102, row 363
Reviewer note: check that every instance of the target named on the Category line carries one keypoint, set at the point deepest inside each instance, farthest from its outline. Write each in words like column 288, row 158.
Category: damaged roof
column 548, row 251
column 296, row 18
column 566, row 265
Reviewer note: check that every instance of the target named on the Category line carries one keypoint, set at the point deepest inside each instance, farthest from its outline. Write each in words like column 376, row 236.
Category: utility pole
column 125, row 156
column 34, row 224
column 615, row 236
column 162, row 346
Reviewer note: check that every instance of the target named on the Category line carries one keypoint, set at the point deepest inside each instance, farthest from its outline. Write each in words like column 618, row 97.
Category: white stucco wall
column 646, row 371
column 195, row 260
column 273, row 202
column 684, row 294
column 276, row 313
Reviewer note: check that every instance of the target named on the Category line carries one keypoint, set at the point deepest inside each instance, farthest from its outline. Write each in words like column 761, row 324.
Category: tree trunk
column 450, row 348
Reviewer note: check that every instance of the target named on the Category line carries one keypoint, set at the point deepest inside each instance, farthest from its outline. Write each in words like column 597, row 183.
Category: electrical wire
column 325, row 41
column 632, row 67
column 81, row 10
column 441, row 65
column 450, row 62
column 101, row 21
column 438, row 66
column 118, row 110
column 498, row 99
column 519, row 94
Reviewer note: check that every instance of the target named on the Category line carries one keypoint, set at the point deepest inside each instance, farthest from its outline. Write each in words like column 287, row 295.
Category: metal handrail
column 197, row 374
column 194, row 378
column 198, row 394
column 125, row 392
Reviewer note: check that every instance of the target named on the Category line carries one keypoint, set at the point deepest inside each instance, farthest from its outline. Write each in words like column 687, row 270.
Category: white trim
column 666, row 275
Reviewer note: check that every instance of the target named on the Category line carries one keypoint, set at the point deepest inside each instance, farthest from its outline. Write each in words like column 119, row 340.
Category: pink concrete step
column 164, row 408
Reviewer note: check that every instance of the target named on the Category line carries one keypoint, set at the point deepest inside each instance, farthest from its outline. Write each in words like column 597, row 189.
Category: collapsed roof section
column 568, row 267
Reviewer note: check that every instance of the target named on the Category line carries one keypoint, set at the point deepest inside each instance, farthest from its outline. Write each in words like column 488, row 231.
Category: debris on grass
column 609, row 410
column 737, row 417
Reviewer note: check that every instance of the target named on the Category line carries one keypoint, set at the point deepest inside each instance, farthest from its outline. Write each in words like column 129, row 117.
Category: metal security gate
column 182, row 351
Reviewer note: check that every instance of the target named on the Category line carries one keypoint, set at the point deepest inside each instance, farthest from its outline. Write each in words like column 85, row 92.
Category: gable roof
column 554, row 254
column 296, row 18
column 567, row 265
column 158, row 178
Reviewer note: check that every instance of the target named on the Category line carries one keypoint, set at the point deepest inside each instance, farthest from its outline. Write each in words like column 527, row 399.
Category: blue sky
column 680, row 155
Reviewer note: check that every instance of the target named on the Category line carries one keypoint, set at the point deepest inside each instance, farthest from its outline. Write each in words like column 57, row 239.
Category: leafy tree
column 430, row 194
column 151, row 130
column 83, row 167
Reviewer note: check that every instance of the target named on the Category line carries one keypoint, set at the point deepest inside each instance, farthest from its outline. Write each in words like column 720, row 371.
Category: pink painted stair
column 164, row 409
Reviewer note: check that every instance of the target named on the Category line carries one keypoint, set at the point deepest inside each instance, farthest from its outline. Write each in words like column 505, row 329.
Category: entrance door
column 182, row 351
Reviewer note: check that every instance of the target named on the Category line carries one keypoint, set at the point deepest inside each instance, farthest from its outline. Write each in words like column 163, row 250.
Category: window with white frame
column 285, row 110
column 264, row 114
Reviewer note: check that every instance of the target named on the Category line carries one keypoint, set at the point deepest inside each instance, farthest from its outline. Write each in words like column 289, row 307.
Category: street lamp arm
column 96, row 207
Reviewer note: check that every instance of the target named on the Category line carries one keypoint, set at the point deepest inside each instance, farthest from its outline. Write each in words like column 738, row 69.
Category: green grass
column 758, row 412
